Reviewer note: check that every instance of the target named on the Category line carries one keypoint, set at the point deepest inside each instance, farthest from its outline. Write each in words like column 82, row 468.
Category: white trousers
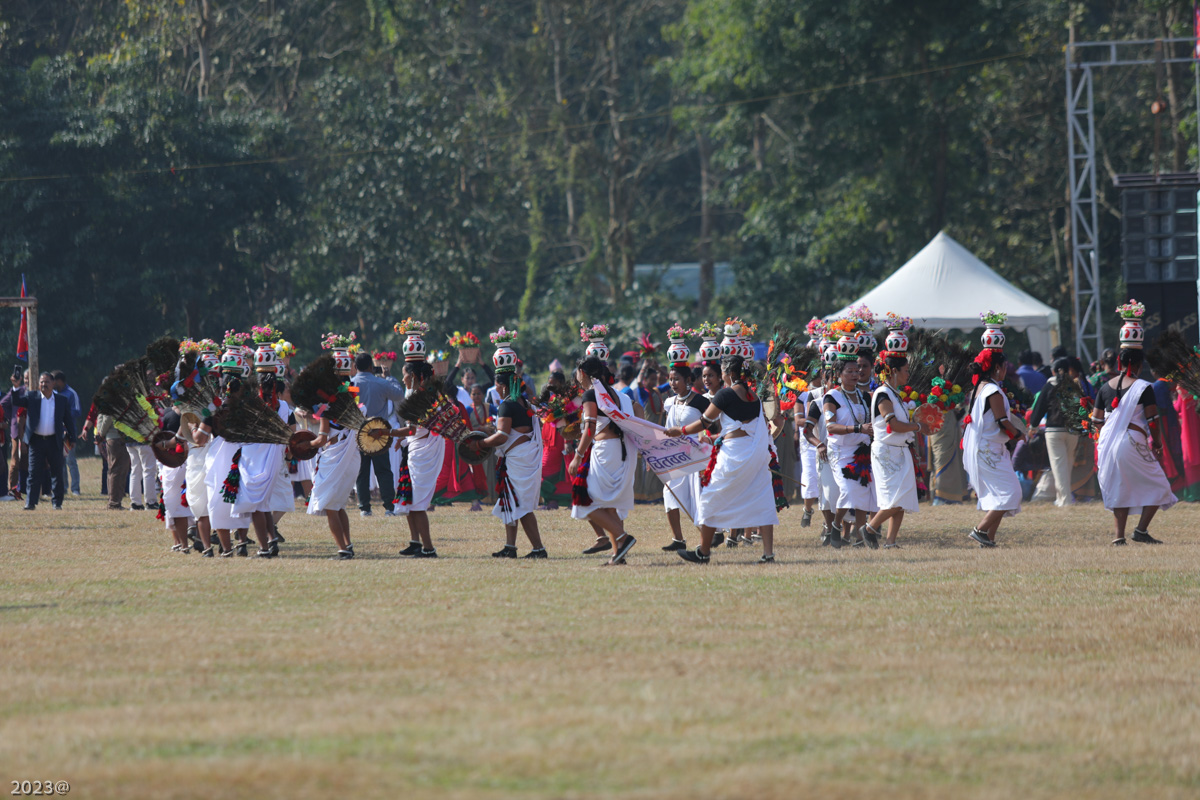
column 141, row 474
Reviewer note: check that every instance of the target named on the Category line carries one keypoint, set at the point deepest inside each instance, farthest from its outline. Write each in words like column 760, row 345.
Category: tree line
column 188, row 166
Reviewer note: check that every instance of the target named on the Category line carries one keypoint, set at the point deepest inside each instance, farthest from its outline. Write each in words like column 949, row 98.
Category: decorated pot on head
column 210, row 353
column 678, row 352
column 816, row 330
column 238, row 357
column 993, row 334
column 710, row 348
column 339, row 344
column 265, row 337
column 897, row 337
column 867, row 341
column 594, row 335
column 505, row 358
column 847, row 347
column 413, row 332
column 829, row 355
column 1132, row 335
column 730, row 341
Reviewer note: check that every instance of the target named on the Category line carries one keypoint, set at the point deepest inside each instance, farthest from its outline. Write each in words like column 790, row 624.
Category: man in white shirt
column 50, row 433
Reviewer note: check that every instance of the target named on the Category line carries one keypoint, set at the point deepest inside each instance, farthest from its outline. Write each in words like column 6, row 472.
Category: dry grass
column 1054, row 666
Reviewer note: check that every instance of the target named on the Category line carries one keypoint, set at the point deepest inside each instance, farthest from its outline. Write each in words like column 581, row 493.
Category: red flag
column 1196, row 31
column 23, row 333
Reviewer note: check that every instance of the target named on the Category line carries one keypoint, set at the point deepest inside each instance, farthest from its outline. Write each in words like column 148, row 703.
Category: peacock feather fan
column 124, row 398
column 162, row 354
column 250, row 421
column 423, row 402
column 326, row 394
column 196, row 388
column 1076, row 408
column 1174, row 359
column 786, row 357
column 932, row 355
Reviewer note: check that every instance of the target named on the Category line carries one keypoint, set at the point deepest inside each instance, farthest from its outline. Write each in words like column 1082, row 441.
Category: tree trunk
column 1166, row 20
column 620, row 260
column 704, row 298
column 760, row 142
column 203, row 31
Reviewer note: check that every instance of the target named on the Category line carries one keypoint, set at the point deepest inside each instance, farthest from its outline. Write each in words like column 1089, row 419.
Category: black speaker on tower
column 1159, row 249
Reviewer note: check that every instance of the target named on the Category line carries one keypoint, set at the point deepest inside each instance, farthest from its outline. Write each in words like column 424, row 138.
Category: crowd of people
column 854, row 431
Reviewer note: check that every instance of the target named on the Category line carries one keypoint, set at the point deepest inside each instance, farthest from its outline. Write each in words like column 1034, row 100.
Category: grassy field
column 1053, row 666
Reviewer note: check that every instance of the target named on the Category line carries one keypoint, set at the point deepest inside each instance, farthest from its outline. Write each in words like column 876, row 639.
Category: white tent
column 946, row 286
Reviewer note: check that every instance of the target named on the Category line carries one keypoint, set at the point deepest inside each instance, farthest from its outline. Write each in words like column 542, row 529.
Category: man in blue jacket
column 50, row 434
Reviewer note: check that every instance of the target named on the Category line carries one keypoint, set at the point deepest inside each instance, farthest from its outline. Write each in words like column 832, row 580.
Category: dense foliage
column 187, row 166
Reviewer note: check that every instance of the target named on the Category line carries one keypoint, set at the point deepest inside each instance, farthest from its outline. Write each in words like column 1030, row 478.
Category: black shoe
column 413, row 549
column 508, row 551
column 539, row 553
column 227, row 554
column 273, row 549
column 733, row 540
column 1144, row 537
column 264, row 554
column 872, row 537
column 279, row 537
column 676, row 544
column 426, row 553
column 29, row 508
column 350, row 546
column 836, row 541
column 1119, row 541
column 241, row 551
column 344, row 555
column 624, row 548
column 598, row 547
column 137, row 507
column 58, row 506
column 152, row 506
column 694, row 556
column 206, row 553
column 718, row 540
column 766, row 559
column 981, row 537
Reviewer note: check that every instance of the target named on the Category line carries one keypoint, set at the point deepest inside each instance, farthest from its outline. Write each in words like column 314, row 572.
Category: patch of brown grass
column 1054, row 666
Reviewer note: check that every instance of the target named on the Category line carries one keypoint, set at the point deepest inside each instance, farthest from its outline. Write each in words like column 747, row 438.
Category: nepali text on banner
column 668, row 458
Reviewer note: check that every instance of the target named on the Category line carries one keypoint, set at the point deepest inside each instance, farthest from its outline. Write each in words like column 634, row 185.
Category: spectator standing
column 374, row 394
column 118, row 460
column 49, row 434
column 143, row 493
column 1028, row 372
column 71, row 467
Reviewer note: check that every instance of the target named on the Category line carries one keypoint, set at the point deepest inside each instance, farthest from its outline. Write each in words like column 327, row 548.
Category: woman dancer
column 1128, row 460
column 736, row 488
column 987, row 460
column 420, row 464
column 338, row 463
column 176, row 511
column 603, row 491
column 518, row 440
column 849, row 431
column 892, row 467
column 683, row 409
column 218, row 461
column 817, row 436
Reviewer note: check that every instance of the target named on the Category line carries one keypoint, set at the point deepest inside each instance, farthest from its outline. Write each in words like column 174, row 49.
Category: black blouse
column 516, row 412
column 734, row 407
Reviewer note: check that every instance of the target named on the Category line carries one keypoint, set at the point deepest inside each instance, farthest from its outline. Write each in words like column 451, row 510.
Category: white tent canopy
column 946, row 286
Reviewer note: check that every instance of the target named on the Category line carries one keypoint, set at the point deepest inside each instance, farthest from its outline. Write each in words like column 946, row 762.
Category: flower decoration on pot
column 236, row 339
column 590, row 333
column 333, row 341
column 265, row 334
column 384, row 357
column 189, row 346
column 285, row 349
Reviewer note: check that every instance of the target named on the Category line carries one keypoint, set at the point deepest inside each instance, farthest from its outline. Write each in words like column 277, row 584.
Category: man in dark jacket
column 49, row 432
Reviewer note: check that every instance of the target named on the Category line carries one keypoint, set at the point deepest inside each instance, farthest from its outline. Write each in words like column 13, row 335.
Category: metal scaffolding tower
column 1082, row 59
